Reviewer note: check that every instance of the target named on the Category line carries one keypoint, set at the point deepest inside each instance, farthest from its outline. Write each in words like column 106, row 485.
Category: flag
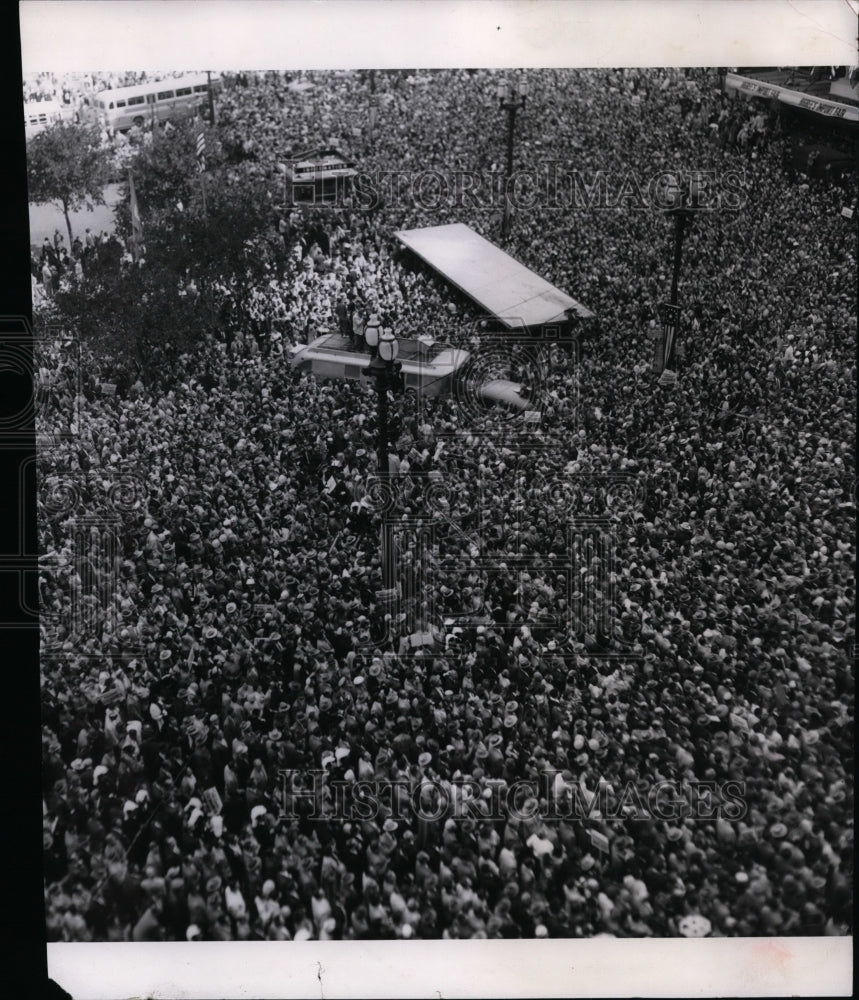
column 201, row 152
column 212, row 801
column 599, row 841
column 111, row 695
column 136, row 224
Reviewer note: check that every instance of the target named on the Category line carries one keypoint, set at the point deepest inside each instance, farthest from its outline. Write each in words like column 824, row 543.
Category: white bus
column 157, row 101
column 38, row 115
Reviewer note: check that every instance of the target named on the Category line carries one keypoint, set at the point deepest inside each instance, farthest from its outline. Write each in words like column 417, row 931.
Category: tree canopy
column 191, row 241
column 165, row 165
column 66, row 164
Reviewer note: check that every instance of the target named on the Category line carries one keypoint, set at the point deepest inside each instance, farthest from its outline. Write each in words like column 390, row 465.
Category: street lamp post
column 682, row 205
column 373, row 106
column 385, row 369
column 511, row 97
column 211, row 97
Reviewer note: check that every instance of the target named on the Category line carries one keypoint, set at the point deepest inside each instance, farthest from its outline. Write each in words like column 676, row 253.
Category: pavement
column 45, row 218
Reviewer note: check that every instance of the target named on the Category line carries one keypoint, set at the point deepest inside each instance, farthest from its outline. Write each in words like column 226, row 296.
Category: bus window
column 135, row 100
column 329, row 369
column 165, row 95
column 201, row 89
column 183, row 91
column 119, row 104
column 111, row 105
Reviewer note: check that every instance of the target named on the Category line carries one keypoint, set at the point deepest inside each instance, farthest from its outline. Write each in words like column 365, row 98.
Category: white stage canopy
column 493, row 279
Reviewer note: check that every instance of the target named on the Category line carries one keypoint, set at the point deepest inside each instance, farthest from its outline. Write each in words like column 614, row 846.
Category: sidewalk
column 45, row 218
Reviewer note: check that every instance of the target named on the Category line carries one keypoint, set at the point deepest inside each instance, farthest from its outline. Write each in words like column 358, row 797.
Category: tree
column 227, row 232
column 147, row 314
column 66, row 164
column 165, row 166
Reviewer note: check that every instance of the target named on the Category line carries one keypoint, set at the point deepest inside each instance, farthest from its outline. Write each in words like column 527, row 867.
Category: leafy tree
column 198, row 231
column 212, row 225
column 132, row 313
column 66, row 164
column 146, row 314
column 165, row 166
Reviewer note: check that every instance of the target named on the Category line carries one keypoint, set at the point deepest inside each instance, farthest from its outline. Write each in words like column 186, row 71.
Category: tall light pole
column 385, row 369
column 373, row 106
column 682, row 205
column 511, row 97
column 211, row 98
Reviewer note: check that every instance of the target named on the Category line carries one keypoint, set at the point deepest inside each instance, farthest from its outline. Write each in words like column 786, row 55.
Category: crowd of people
column 54, row 262
column 220, row 676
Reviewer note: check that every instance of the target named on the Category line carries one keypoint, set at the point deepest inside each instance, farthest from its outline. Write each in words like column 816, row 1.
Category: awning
column 502, row 286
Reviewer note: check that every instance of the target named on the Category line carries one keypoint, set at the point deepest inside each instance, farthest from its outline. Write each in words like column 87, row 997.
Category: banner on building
column 819, row 105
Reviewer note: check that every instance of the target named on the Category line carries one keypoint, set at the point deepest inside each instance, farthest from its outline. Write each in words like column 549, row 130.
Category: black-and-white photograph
column 445, row 500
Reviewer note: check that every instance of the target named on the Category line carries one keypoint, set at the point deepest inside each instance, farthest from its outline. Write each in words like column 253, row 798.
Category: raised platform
column 502, row 286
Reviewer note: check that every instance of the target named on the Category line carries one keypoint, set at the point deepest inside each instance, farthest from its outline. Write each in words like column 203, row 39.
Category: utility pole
column 211, row 98
column 385, row 369
column 512, row 97
column 683, row 206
